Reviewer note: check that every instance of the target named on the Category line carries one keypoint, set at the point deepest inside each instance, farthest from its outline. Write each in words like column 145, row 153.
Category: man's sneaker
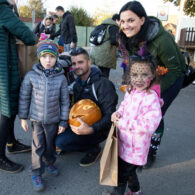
column 52, row 169
column 9, row 166
column 37, row 183
column 150, row 161
column 17, row 147
column 90, row 158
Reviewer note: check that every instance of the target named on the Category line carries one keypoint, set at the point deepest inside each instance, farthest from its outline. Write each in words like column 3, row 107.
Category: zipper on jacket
column 45, row 101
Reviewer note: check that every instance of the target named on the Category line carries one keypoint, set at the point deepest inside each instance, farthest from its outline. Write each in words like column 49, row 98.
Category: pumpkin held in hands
column 86, row 110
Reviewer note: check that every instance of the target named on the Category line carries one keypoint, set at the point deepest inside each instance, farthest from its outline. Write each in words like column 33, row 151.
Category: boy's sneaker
column 52, row 169
column 59, row 151
column 90, row 158
column 17, row 147
column 9, row 166
column 38, row 183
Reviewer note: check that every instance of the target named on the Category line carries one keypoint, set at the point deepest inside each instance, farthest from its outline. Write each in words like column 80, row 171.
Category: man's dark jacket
column 107, row 99
column 67, row 29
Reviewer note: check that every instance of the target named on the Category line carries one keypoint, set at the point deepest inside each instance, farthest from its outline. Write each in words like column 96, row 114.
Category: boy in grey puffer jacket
column 44, row 99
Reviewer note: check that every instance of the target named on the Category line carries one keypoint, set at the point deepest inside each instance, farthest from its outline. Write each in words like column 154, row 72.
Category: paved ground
column 172, row 174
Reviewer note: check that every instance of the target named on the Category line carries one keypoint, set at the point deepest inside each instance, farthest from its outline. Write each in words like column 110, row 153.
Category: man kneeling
column 90, row 84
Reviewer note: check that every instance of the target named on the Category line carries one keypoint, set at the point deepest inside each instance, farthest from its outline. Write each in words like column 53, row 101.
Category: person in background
column 137, row 30
column 67, row 29
column 55, row 22
column 116, row 18
column 44, row 99
column 11, row 28
column 45, row 26
column 104, row 55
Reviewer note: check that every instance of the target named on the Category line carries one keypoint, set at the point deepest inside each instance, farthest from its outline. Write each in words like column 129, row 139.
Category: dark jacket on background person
column 44, row 99
column 162, row 46
column 41, row 28
column 106, row 98
column 104, row 55
column 67, row 29
column 10, row 27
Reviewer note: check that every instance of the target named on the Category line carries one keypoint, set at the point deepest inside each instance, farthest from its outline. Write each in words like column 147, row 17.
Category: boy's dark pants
column 43, row 146
column 126, row 174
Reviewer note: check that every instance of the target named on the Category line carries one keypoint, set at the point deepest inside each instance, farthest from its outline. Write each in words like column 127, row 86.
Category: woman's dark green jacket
column 11, row 27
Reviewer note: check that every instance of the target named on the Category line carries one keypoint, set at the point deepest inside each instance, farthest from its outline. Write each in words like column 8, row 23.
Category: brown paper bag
column 109, row 160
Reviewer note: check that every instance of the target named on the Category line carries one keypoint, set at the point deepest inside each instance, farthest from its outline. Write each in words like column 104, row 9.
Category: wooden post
column 27, row 57
column 178, row 30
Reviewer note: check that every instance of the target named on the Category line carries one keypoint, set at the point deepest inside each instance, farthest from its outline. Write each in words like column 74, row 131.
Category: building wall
column 186, row 21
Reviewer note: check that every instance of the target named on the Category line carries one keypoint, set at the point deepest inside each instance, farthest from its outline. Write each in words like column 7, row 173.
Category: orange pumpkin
column 123, row 88
column 86, row 110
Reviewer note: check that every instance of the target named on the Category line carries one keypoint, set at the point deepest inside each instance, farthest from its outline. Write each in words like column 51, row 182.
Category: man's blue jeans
column 68, row 141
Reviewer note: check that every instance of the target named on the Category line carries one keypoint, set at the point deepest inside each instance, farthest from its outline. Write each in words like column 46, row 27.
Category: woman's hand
column 24, row 125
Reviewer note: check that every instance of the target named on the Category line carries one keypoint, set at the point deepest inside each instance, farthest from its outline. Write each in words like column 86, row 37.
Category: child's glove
column 43, row 37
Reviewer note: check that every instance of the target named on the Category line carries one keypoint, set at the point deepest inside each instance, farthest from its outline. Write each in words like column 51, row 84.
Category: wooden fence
column 83, row 33
column 187, row 38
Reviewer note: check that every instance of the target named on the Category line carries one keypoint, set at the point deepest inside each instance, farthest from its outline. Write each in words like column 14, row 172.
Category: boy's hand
column 61, row 129
column 24, row 124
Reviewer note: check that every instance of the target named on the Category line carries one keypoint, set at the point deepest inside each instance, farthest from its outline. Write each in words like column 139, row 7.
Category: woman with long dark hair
column 137, row 30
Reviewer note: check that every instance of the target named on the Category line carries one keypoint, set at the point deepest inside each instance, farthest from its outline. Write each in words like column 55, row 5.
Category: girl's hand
column 61, row 129
column 24, row 124
column 115, row 117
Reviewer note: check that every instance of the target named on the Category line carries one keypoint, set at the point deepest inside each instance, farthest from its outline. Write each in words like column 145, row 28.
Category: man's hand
column 61, row 129
column 24, row 124
column 72, row 45
column 83, row 129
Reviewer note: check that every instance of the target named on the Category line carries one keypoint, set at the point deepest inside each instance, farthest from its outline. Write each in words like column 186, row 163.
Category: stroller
column 65, row 61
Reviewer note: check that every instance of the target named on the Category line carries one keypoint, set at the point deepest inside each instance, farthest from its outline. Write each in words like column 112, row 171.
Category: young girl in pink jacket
column 137, row 118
